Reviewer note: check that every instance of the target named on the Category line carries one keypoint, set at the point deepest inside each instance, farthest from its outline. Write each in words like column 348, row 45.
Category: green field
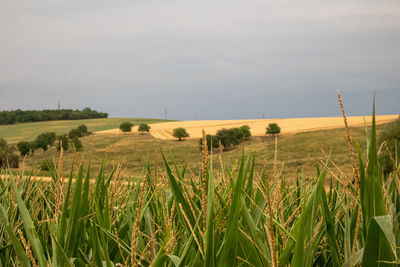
column 297, row 152
column 28, row 131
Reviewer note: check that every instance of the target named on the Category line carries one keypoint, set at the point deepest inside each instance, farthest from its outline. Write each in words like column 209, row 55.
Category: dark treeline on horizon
column 19, row 116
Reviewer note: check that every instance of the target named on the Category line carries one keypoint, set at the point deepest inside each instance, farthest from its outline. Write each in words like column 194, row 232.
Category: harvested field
column 257, row 127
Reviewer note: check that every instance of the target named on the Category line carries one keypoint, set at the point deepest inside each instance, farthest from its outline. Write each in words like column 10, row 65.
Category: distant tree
column 44, row 140
column 41, row 142
column 212, row 141
column 144, row 128
column 24, row 148
column 75, row 133
column 180, row 133
column 62, row 142
column 245, row 132
column 83, row 129
column 126, row 127
column 77, row 143
column 50, row 137
column 273, row 129
column 228, row 137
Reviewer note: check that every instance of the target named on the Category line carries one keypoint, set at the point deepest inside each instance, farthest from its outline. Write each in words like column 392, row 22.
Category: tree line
column 19, row 116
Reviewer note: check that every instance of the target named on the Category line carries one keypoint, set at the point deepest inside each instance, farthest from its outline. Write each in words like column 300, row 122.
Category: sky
column 209, row 59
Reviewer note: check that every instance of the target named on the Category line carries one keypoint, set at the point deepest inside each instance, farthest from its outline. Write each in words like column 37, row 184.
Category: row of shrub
column 227, row 137
column 48, row 139
column 18, row 116
column 127, row 127
column 234, row 136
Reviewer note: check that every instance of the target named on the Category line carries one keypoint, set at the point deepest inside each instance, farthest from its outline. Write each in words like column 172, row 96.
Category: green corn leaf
column 19, row 250
column 380, row 246
column 29, row 226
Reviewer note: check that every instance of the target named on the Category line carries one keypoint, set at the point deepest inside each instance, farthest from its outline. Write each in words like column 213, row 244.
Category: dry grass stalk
column 186, row 195
column 153, row 240
column 270, row 227
column 276, row 202
column 204, row 169
column 135, row 230
column 275, row 162
column 119, row 247
column 317, row 230
column 19, row 178
column 245, row 261
column 116, row 187
column 27, row 247
column 155, row 169
column 349, row 142
column 191, row 229
column 354, row 248
column 59, row 184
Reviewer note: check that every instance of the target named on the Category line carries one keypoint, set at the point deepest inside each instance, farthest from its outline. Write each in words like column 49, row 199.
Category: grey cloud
column 136, row 58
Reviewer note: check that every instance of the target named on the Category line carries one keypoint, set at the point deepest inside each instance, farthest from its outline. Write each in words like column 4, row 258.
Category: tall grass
column 237, row 217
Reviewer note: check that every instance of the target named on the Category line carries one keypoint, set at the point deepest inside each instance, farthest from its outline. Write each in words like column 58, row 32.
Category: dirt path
column 257, row 127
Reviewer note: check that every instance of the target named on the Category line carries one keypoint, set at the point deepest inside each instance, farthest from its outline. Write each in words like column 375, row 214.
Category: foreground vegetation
column 240, row 216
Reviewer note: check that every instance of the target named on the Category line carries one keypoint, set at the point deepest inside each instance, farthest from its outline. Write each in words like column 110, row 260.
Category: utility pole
column 195, row 116
column 263, row 116
column 58, row 105
column 166, row 114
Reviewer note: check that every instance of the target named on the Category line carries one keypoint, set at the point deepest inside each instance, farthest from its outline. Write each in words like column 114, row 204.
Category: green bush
column 77, row 143
column 273, row 129
column 180, row 133
column 62, row 142
column 228, row 137
column 126, row 127
column 75, row 133
column 44, row 140
column 144, row 128
column 83, row 128
column 24, row 148
column 245, row 132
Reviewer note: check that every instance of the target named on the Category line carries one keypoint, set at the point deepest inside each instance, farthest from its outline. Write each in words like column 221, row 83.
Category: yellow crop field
column 257, row 127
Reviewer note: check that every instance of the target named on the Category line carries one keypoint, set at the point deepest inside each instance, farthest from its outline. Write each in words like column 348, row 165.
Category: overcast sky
column 217, row 59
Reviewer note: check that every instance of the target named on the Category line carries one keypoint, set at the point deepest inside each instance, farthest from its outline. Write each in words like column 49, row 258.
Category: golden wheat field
column 257, row 126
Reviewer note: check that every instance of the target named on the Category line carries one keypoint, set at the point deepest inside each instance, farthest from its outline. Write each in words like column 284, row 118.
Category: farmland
column 297, row 152
column 245, row 214
column 28, row 131
column 289, row 126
